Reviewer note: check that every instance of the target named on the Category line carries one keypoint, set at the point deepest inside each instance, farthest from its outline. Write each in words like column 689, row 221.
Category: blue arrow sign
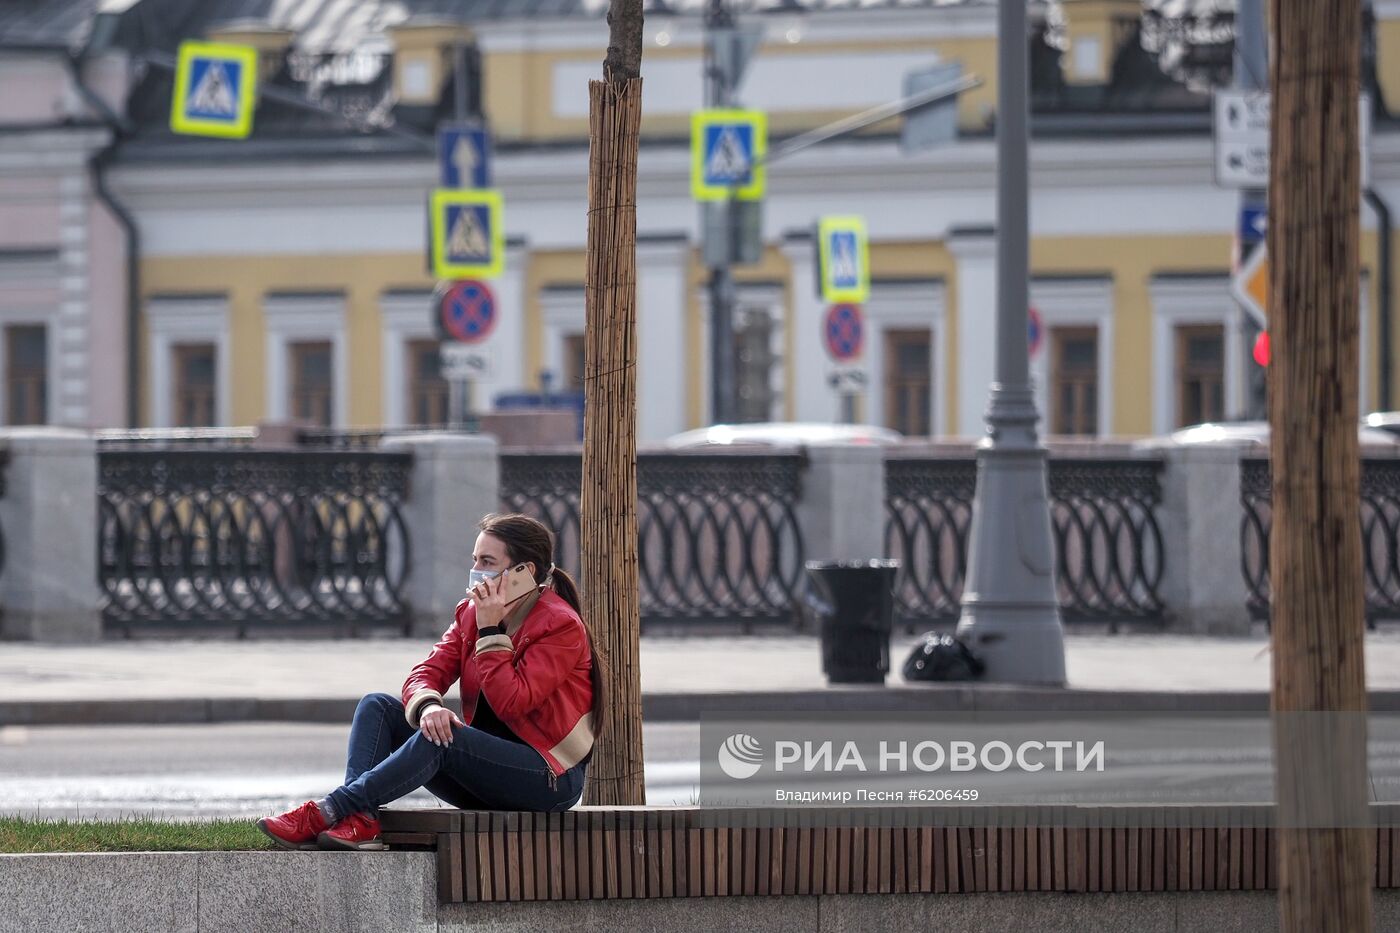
column 464, row 156
column 1254, row 225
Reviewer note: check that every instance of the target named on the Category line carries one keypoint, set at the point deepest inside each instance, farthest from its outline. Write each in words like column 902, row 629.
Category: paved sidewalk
column 189, row 680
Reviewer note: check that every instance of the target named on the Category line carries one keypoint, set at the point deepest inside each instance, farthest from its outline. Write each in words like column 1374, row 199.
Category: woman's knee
column 378, row 704
column 422, row 747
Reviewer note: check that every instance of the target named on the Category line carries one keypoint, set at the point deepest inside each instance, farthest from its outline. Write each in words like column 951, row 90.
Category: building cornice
column 557, row 174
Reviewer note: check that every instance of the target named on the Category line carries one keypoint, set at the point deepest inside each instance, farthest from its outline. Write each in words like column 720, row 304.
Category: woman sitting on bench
column 531, row 696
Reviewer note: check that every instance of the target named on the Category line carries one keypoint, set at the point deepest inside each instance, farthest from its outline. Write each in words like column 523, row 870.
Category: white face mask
column 478, row 577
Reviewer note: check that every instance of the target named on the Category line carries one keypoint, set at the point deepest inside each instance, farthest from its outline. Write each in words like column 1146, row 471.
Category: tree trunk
column 608, row 519
column 1319, row 691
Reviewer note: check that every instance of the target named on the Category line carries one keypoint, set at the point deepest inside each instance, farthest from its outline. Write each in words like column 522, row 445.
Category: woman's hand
column 489, row 598
column 437, row 724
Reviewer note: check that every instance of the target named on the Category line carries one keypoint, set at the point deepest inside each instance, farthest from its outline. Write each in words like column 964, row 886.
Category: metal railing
column 176, row 437
column 1108, row 544
column 200, row 537
column 718, row 534
column 1380, row 535
column 928, row 513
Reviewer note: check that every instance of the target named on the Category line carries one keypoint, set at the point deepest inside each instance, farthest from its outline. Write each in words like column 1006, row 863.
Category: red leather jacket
column 536, row 677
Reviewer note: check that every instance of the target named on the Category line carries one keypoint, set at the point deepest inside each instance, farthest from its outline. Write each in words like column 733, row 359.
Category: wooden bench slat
column 409, row 840
column 449, row 843
column 594, row 871
column 991, row 856
column 542, row 846
column 1382, row 846
column 417, row 820
column 527, row 856
column 791, row 842
column 681, row 841
column 640, row 853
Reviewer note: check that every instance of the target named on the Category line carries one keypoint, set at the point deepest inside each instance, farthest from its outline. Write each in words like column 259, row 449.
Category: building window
column 908, row 381
column 754, row 363
column 194, row 385
column 26, row 374
column 1200, row 374
column 427, row 389
column 1074, row 380
column 311, row 382
column 573, row 362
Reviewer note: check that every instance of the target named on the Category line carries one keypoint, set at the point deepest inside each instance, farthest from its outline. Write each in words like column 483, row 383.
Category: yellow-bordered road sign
column 844, row 253
column 214, row 88
column 727, row 148
column 1251, row 286
column 468, row 231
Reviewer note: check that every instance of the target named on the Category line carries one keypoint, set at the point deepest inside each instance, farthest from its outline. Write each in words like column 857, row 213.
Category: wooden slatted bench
column 658, row 852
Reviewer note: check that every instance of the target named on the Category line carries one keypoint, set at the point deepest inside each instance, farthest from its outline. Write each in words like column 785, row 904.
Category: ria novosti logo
column 740, row 756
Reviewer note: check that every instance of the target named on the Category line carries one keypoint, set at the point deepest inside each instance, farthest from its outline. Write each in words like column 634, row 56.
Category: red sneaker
column 295, row 829
column 356, row 831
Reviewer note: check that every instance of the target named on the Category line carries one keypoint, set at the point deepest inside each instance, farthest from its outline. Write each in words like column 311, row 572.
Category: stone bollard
column 842, row 512
column 1203, row 583
column 48, row 517
column 455, row 481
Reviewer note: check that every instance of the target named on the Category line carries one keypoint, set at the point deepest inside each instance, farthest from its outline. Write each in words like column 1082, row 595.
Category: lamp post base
column 1010, row 614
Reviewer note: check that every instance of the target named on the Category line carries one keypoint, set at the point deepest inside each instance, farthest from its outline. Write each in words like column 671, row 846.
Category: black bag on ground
column 942, row 657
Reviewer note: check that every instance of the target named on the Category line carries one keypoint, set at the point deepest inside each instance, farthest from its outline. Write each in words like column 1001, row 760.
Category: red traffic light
column 1261, row 348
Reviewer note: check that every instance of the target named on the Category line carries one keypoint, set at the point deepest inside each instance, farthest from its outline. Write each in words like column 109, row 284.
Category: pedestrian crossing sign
column 844, row 255
column 468, row 235
column 214, row 87
column 727, row 148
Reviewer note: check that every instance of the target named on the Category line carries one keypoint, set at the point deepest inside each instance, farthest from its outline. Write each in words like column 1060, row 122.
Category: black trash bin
column 854, row 601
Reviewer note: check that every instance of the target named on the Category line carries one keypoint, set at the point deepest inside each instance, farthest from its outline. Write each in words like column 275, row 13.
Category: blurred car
column 1247, row 432
column 784, row 434
column 1388, row 421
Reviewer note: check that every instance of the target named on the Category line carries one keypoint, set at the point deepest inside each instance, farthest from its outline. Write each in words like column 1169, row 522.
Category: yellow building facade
column 258, row 259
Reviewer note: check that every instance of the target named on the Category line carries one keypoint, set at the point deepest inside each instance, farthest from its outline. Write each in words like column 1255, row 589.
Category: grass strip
column 136, row 834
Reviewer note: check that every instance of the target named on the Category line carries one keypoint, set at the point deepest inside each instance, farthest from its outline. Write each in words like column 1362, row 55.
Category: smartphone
column 519, row 582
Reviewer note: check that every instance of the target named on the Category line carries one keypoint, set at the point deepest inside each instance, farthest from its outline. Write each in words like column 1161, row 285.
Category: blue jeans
column 478, row 771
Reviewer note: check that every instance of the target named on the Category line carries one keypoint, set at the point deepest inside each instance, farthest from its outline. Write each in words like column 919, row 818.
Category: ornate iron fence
column 928, row 512
column 207, row 537
column 1108, row 545
column 1254, row 533
column 1380, row 535
column 718, row 534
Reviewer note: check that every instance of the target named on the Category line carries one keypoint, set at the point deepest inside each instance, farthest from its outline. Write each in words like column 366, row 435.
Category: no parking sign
column 1035, row 331
column 467, row 312
column 844, row 332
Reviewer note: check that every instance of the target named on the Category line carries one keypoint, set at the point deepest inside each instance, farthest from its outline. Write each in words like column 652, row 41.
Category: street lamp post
column 718, row 93
column 1010, row 614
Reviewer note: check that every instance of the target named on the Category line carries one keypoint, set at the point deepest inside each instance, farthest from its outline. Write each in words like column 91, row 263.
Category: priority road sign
column 1251, row 286
column 467, row 312
column 727, row 149
column 844, row 332
column 844, row 259
column 464, row 156
column 468, row 235
column 214, row 88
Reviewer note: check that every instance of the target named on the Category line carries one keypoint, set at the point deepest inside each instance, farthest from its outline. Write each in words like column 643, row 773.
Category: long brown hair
column 527, row 539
